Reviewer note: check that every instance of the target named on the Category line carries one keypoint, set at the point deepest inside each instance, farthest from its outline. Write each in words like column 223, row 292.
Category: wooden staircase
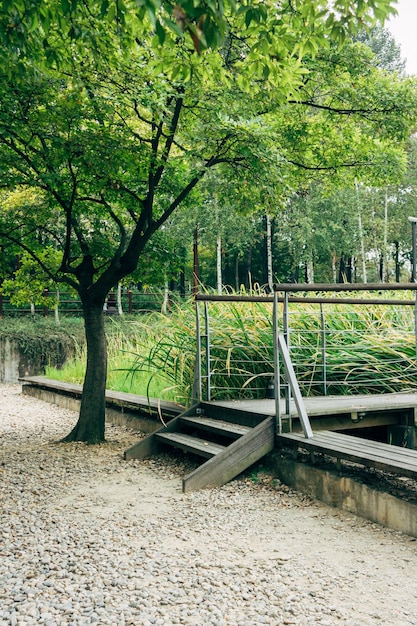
column 228, row 441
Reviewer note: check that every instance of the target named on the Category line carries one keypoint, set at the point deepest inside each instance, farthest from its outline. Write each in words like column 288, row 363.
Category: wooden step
column 234, row 459
column 219, row 427
column 221, row 463
column 201, row 447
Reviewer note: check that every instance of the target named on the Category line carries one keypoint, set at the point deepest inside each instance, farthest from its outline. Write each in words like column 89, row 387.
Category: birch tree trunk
column 334, row 267
column 360, row 230
column 385, row 269
column 119, row 299
column 166, row 298
column 219, row 265
column 56, row 308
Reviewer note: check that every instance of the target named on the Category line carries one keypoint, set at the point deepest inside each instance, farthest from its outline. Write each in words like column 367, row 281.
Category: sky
column 404, row 29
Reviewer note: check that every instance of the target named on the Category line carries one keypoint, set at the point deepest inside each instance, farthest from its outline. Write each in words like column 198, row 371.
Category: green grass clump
column 125, row 340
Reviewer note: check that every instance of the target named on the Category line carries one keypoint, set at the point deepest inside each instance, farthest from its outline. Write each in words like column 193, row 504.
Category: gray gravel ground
column 88, row 538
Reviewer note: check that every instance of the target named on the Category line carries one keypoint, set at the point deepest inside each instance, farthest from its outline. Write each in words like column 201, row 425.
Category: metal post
column 208, row 373
column 277, row 381
column 323, row 349
column 415, row 322
column 289, row 371
column 195, row 262
column 197, row 382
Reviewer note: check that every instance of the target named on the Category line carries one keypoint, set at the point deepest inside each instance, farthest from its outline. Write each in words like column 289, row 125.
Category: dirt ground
column 88, row 538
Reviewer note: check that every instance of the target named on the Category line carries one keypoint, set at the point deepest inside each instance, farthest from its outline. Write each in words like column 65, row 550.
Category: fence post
column 277, row 378
column 208, row 372
column 197, row 390
column 129, row 301
column 323, row 349
column 45, row 308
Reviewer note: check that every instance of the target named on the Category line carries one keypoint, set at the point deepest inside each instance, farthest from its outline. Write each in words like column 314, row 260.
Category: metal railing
column 364, row 343
column 69, row 305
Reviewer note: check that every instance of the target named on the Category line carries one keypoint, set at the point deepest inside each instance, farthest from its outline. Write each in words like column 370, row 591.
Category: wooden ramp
column 382, row 456
column 227, row 441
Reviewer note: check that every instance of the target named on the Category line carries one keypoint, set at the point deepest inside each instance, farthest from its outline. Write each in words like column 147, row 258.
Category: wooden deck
column 332, row 413
column 327, row 415
column 339, row 412
column 382, row 456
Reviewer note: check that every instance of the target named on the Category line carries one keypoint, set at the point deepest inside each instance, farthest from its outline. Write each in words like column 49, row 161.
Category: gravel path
column 88, row 538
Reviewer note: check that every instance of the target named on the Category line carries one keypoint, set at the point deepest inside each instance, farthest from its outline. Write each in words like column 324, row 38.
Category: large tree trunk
column 91, row 421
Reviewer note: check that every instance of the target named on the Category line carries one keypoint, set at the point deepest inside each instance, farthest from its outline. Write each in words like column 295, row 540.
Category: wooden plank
column 387, row 454
column 149, row 445
column 387, row 449
column 142, row 403
column 343, row 450
column 235, row 414
column 58, row 385
column 217, row 426
column 329, row 405
column 202, row 447
column 388, row 459
column 237, row 457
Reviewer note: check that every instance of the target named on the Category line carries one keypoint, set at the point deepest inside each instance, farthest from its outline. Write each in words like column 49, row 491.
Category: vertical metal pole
column 323, row 350
column 415, row 321
column 208, row 373
column 198, row 382
column 286, row 328
column 277, row 381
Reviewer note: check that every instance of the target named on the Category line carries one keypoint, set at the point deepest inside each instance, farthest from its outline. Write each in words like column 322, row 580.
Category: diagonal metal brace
column 292, row 381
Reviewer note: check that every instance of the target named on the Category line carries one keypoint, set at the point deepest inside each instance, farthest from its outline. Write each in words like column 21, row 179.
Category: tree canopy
column 43, row 27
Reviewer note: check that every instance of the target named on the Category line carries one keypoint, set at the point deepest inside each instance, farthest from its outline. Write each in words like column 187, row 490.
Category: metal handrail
column 287, row 298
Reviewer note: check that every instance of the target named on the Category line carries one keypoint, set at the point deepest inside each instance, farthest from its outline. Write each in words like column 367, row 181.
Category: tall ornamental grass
column 368, row 349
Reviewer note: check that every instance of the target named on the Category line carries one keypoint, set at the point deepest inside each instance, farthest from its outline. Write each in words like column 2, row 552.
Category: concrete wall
column 347, row 494
column 123, row 417
column 15, row 364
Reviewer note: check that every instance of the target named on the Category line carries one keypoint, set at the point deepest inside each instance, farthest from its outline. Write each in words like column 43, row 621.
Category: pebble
column 88, row 538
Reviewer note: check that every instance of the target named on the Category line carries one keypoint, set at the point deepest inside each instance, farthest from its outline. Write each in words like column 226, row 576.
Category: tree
column 116, row 145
